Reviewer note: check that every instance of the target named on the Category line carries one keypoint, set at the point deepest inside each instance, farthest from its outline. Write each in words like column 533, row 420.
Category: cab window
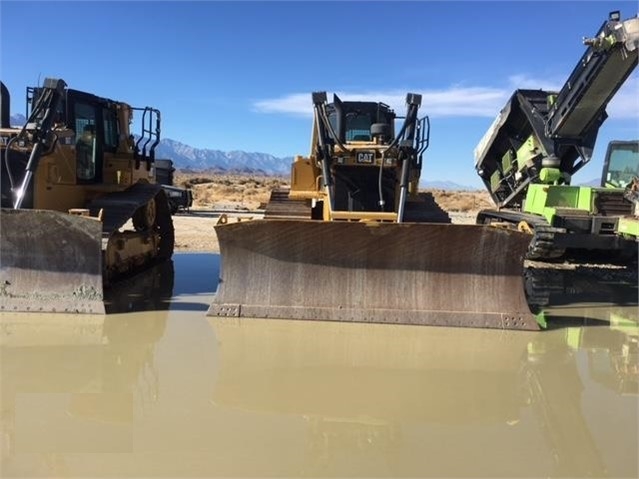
column 111, row 133
column 85, row 147
column 358, row 126
column 623, row 166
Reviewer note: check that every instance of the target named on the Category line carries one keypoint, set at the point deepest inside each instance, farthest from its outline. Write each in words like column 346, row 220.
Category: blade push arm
column 42, row 118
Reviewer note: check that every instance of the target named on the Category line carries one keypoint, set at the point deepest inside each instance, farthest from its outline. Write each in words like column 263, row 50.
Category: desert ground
column 245, row 196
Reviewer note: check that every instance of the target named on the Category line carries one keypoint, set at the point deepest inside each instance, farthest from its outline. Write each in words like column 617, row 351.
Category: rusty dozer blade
column 412, row 273
column 50, row 261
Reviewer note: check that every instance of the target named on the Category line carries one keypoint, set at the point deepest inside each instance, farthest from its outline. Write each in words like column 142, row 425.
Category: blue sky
column 238, row 75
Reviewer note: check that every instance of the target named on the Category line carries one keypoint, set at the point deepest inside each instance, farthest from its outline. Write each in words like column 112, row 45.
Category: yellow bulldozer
column 80, row 205
column 353, row 239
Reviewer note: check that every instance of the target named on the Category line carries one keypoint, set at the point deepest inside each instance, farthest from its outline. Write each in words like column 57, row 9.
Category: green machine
column 540, row 139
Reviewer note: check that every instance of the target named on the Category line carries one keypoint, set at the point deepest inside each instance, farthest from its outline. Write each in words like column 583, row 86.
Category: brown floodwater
column 157, row 389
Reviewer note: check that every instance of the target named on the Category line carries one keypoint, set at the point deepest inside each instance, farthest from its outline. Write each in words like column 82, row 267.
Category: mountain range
column 18, row 119
column 596, row 182
column 186, row 157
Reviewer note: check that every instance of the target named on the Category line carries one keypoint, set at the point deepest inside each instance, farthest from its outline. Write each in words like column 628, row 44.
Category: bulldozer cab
column 91, row 127
column 90, row 150
column 359, row 167
column 621, row 164
column 352, row 120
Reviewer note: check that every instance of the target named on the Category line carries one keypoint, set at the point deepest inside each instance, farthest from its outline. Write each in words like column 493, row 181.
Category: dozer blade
column 50, row 262
column 430, row 274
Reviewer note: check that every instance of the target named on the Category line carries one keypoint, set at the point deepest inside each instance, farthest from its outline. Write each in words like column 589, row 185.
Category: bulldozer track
column 425, row 210
column 543, row 244
column 119, row 207
column 280, row 205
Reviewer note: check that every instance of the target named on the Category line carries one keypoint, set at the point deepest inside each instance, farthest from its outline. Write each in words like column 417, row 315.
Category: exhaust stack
column 5, row 107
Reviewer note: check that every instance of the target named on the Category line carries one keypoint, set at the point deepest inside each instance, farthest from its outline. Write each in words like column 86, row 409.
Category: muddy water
column 172, row 393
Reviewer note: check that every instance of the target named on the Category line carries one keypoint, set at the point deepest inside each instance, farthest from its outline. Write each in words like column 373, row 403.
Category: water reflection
column 560, row 375
column 76, row 378
column 510, row 403
column 150, row 290
column 162, row 286
column 297, row 398
column 197, row 273
column 173, row 393
column 612, row 350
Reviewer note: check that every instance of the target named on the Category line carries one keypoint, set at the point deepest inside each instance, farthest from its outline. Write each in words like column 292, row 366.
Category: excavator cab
column 73, row 181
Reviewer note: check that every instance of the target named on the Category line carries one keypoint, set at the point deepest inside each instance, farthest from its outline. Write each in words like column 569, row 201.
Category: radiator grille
column 612, row 204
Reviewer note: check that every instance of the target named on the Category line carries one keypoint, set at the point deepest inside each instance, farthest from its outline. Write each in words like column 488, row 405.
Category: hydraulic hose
column 6, row 161
column 328, row 183
column 329, row 127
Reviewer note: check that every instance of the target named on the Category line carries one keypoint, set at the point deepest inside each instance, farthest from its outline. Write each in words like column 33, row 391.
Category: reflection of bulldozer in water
column 99, row 369
column 362, row 391
column 354, row 240
column 73, row 180
column 151, row 290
